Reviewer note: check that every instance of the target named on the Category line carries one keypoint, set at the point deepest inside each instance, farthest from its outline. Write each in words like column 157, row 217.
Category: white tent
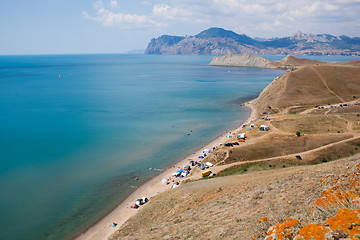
column 264, row 128
column 165, row 181
column 178, row 172
column 207, row 150
column 241, row 135
column 209, row 164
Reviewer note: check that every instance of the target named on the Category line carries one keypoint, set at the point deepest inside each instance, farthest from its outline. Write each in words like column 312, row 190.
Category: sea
column 76, row 130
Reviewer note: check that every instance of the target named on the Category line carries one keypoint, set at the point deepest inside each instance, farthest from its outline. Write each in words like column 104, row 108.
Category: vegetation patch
column 309, row 123
column 339, row 204
column 251, row 167
column 277, row 145
column 330, row 154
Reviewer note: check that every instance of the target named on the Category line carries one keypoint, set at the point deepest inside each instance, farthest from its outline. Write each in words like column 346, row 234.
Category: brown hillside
column 340, row 203
column 229, row 207
column 294, row 61
column 311, row 85
column 344, row 81
column 355, row 63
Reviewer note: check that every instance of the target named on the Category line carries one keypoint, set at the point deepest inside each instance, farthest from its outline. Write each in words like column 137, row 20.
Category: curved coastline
column 122, row 212
column 153, row 187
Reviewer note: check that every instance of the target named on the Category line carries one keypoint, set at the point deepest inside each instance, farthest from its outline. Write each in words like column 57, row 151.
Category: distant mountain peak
column 218, row 41
column 302, row 36
column 216, row 32
column 299, row 34
column 312, row 38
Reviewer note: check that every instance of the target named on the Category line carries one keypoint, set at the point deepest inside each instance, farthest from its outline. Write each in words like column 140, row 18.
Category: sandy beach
column 103, row 229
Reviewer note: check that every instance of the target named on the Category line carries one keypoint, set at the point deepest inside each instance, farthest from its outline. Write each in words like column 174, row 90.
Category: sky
column 121, row 26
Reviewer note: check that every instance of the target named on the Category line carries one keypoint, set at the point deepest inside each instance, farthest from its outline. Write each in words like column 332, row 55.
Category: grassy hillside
column 229, row 207
column 312, row 85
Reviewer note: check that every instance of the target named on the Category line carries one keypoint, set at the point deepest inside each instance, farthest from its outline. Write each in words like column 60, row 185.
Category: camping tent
column 165, row 181
column 207, row 150
column 241, row 136
column 178, row 172
column 263, row 128
column 209, row 164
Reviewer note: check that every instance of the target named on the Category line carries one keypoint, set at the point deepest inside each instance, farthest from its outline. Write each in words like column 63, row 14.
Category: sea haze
column 77, row 129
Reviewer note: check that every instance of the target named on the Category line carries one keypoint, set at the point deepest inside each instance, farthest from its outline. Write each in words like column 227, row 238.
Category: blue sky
column 117, row 26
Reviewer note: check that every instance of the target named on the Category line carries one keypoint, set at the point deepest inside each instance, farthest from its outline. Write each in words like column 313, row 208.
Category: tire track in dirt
column 324, row 82
column 218, row 168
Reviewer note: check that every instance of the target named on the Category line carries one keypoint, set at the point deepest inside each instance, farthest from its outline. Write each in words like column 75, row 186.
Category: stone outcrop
column 243, row 60
column 247, row 60
column 340, row 192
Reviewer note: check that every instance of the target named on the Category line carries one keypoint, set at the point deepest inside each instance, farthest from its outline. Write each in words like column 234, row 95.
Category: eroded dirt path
column 324, row 82
column 349, row 124
column 218, row 168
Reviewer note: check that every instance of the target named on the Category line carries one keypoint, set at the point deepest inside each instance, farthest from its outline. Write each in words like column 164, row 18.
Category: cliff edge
column 243, row 60
column 247, row 60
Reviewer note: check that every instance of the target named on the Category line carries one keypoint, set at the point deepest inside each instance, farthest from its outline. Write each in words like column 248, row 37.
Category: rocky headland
column 243, row 60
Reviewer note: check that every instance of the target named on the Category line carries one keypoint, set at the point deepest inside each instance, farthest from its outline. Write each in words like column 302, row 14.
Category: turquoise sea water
column 75, row 130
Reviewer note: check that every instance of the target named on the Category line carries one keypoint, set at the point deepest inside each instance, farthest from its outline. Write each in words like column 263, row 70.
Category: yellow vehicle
column 206, row 173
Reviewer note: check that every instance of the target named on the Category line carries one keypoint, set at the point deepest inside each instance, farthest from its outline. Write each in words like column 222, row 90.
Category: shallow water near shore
column 77, row 129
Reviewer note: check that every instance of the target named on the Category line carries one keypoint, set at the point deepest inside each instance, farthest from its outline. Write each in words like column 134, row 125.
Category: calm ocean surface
column 75, row 130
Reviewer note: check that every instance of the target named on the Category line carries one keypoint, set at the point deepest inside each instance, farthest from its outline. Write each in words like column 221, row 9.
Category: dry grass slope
column 311, row 85
column 278, row 145
column 338, row 204
column 229, row 207
column 294, row 61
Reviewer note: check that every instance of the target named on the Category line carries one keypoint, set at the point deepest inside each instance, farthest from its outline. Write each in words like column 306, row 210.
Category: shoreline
column 121, row 213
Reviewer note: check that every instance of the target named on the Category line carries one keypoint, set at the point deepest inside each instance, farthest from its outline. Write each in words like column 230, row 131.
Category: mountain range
column 218, row 41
